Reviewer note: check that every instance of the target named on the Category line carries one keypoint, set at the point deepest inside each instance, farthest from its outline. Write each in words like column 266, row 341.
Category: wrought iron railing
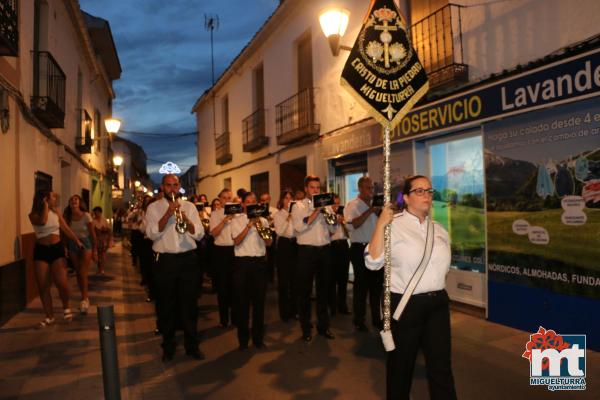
column 223, row 149
column 48, row 100
column 9, row 28
column 437, row 39
column 295, row 118
column 253, row 131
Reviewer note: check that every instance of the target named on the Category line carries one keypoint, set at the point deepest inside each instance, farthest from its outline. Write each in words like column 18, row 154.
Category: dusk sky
column 164, row 51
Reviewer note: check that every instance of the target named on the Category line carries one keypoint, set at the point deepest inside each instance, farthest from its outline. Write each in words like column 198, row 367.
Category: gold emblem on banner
column 382, row 55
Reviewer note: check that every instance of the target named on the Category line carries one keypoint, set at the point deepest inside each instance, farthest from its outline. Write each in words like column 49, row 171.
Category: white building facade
column 56, row 72
column 278, row 113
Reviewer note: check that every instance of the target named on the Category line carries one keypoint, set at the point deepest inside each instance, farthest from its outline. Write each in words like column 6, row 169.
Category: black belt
column 340, row 241
column 310, row 246
column 184, row 254
column 359, row 244
column 426, row 294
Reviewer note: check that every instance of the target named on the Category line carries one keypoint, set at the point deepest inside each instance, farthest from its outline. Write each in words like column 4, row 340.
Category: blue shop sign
column 564, row 81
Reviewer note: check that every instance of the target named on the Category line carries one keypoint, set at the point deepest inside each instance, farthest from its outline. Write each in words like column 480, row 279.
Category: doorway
column 292, row 174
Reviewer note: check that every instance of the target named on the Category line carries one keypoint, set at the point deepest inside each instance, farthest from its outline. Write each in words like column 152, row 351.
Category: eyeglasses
column 421, row 192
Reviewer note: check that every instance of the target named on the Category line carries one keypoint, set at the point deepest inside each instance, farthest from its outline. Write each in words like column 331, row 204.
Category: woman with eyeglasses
column 425, row 323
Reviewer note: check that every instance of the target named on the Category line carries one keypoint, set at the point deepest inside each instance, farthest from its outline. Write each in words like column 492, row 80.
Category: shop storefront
column 516, row 168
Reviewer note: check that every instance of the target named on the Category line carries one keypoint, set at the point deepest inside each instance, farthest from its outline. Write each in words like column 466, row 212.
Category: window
column 258, row 99
column 98, row 132
column 225, row 114
column 304, row 63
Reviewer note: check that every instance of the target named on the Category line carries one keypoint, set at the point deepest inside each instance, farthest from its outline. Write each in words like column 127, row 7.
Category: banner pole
column 387, row 233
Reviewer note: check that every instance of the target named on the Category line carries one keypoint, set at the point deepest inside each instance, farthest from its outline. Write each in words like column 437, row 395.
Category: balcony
column 9, row 28
column 253, row 131
column 222, row 148
column 295, row 118
column 48, row 100
column 437, row 39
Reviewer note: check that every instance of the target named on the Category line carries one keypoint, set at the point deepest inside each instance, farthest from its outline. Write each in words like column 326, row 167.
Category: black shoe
column 243, row 347
column 196, row 354
column 307, row 337
column 260, row 345
column 168, row 355
column 361, row 327
column 327, row 334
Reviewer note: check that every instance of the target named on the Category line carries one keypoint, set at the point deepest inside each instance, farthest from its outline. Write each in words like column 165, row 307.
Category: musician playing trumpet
column 340, row 260
column 174, row 227
column 250, row 238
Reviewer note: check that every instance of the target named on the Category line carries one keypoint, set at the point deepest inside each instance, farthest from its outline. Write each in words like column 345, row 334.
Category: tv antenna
column 211, row 22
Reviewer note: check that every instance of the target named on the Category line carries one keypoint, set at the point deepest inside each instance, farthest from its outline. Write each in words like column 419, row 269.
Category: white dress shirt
column 339, row 233
column 354, row 209
column 315, row 234
column 408, row 245
column 283, row 225
column 224, row 238
column 169, row 240
column 252, row 245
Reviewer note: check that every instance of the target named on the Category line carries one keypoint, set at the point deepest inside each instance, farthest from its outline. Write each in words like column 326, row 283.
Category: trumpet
column 205, row 224
column 180, row 224
column 330, row 218
column 265, row 232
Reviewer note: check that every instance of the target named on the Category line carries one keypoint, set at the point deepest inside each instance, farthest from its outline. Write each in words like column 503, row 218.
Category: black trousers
column 286, row 259
column 222, row 261
column 340, row 255
column 313, row 262
column 425, row 325
column 271, row 259
column 250, row 285
column 202, row 253
column 137, row 239
column 177, row 293
column 366, row 282
column 146, row 266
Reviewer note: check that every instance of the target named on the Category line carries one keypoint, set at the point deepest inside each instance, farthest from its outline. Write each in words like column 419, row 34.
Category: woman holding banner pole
column 425, row 323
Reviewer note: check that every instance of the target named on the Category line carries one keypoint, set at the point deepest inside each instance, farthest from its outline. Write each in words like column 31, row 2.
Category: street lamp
column 334, row 21
column 117, row 161
column 112, row 125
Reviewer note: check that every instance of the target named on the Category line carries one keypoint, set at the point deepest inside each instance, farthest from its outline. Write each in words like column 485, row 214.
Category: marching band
column 314, row 239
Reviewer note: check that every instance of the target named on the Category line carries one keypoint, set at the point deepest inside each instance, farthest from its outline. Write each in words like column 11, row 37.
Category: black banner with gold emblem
column 383, row 71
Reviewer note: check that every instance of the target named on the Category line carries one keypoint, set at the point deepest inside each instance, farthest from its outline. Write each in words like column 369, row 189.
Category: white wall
column 495, row 37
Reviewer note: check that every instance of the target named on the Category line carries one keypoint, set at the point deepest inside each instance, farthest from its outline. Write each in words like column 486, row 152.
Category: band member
column 49, row 253
column 146, row 255
column 250, row 274
column 313, row 237
column 222, row 258
column 265, row 198
column 174, row 226
column 285, row 257
column 360, row 220
column 425, row 323
column 134, row 218
column 340, row 262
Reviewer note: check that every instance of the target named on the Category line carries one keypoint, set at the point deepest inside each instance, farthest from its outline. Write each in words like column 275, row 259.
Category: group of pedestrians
column 72, row 236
